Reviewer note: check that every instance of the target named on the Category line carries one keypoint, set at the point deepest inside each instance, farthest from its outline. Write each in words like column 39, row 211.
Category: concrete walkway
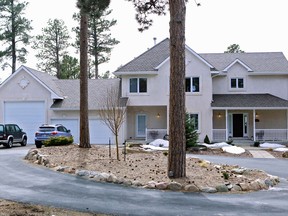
column 261, row 154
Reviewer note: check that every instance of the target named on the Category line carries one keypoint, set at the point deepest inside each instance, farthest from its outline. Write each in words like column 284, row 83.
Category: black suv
column 10, row 134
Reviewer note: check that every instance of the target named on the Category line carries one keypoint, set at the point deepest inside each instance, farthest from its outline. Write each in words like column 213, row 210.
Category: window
column 192, row 84
column 195, row 120
column 237, row 83
column 138, row 85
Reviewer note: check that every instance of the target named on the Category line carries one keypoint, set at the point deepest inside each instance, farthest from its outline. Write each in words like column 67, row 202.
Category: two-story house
column 228, row 95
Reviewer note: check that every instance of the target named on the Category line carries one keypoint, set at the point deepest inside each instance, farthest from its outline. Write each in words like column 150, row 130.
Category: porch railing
column 152, row 134
column 271, row 134
column 219, row 134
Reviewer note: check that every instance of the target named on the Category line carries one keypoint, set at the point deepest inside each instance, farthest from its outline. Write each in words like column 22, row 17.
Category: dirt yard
column 140, row 166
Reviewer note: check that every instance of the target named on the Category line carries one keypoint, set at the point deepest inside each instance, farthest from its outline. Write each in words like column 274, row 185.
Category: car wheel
column 38, row 144
column 10, row 143
column 24, row 142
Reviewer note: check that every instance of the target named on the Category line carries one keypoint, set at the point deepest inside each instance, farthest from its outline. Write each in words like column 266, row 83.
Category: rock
column 238, row 171
column 254, row 186
column 191, row 188
column 262, row 184
column 208, row 190
column 30, row 154
column 244, row 186
column 112, row 178
column 174, row 186
column 161, row 185
column 236, row 188
column 136, row 183
column 222, row 188
column 151, row 185
column 269, row 183
column 127, row 182
column 82, row 173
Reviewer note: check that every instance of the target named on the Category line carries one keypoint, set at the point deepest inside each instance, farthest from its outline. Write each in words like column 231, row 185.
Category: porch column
column 287, row 124
column 227, row 119
column 254, row 125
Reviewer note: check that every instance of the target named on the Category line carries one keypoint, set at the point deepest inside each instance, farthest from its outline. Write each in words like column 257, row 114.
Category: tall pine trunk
column 84, row 121
column 177, row 150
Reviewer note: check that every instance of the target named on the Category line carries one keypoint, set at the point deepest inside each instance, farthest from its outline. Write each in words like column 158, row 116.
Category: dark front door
column 237, row 125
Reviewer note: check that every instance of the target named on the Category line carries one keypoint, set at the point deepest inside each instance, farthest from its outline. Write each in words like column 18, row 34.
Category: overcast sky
column 256, row 25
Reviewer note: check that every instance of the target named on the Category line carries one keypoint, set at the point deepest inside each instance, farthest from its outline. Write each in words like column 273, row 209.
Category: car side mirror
column 68, row 131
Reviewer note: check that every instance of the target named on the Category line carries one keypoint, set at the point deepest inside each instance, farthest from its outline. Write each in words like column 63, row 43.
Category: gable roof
column 248, row 100
column 149, row 60
column 258, row 62
column 152, row 59
column 46, row 80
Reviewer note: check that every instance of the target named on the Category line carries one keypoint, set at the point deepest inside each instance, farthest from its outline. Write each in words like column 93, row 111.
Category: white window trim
column 138, row 86
column 199, row 120
column 191, row 87
column 237, row 88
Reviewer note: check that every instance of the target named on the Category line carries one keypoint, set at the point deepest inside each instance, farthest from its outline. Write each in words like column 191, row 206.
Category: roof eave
column 121, row 73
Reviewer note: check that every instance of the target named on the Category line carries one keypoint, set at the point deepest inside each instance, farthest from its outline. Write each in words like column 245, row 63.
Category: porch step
column 243, row 142
column 261, row 154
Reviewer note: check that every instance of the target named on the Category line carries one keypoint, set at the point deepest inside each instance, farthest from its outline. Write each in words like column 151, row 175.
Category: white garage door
column 99, row 132
column 28, row 115
column 70, row 124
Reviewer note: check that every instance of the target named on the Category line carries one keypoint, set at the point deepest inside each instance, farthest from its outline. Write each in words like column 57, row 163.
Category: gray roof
column 258, row 62
column 149, row 60
column 248, row 100
column 46, row 79
column 69, row 90
column 97, row 88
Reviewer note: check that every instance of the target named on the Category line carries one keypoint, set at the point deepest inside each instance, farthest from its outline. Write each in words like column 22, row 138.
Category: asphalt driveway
column 24, row 182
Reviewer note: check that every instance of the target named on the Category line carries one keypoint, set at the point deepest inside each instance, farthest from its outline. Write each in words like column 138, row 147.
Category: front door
column 237, row 125
column 141, row 125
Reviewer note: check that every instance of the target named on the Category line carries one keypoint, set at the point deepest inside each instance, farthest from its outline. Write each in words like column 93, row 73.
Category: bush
column 206, row 140
column 58, row 141
column 256, row 144
column 190, row 133
column 285, row 154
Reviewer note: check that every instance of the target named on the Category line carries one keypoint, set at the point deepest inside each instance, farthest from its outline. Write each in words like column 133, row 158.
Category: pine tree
column 52, row 46
column 14, row 33
column 100, row 43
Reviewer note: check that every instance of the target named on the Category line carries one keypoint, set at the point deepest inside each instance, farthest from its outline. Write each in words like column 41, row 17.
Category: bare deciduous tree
column 112, row 112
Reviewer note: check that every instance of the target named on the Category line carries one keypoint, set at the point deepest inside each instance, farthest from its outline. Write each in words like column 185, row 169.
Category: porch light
column 158, row 115
column 219, row 115
column 256, row 115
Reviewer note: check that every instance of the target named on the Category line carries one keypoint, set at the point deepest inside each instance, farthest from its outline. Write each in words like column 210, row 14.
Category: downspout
column 254, row 126
column 227, row 129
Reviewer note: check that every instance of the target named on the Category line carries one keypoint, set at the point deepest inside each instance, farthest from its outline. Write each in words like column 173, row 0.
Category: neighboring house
column 228, row 95
column 31, row 98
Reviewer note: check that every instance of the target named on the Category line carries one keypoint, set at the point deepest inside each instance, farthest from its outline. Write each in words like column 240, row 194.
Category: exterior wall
column 274, row 85
column 34, row 91
column 200, row 103
column 158, row 94
column 274, row 119
column 152, row 120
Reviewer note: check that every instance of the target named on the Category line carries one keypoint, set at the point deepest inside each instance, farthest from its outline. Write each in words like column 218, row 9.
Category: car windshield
column 46, row 129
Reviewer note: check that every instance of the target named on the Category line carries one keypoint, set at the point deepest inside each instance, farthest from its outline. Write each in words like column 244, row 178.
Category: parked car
column 10, row 134
column 47, row 131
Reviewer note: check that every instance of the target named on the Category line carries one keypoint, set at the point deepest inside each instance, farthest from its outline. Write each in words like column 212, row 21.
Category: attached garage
column 70, row 124
column 99, row 132
column 29, row 115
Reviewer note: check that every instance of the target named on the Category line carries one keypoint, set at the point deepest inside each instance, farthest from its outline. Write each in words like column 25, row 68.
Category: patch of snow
column 160, row 143
column 281, row 149
column 153, row 148
column 271, row 145
column 233, row 149
column 216, row 145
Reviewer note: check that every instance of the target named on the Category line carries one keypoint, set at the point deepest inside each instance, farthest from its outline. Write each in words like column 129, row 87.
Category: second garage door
column 99, row 132
column 70, row 124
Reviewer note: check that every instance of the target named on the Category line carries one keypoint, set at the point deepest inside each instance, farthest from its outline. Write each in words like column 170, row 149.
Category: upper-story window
column 138, row 85
column 237, row 83
column 192, row 84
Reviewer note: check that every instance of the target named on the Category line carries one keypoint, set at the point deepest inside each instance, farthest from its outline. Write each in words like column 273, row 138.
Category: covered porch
column 257, row 117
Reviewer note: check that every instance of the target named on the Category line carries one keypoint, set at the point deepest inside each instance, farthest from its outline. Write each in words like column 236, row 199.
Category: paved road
column 27, row 183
